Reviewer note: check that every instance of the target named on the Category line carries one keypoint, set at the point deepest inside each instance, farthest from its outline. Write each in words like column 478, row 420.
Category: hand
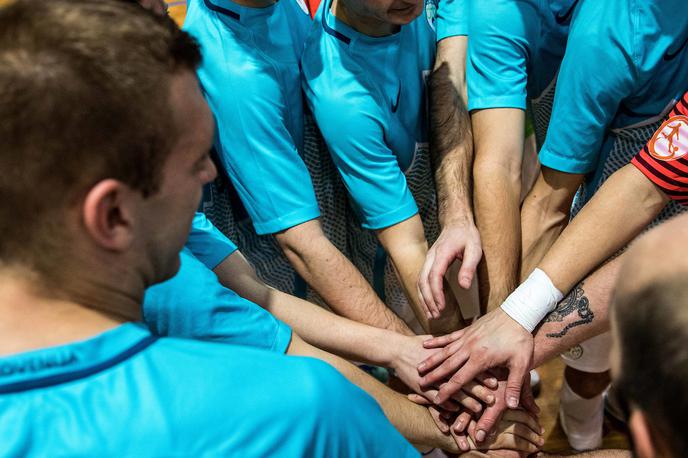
column 456, row 241
column 492, row 414
column 494, row 340
column 517, row 430
column 409, row 352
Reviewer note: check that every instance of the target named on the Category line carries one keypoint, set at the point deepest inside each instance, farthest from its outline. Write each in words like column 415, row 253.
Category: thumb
column 469, row 263
column 514, row 384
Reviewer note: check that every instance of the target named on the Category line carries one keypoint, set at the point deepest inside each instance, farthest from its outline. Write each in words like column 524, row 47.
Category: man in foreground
column 94, row 211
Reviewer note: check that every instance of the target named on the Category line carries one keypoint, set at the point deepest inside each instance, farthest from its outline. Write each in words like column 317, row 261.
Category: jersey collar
column 347, row 34
column 239, row 13
column 65, row 363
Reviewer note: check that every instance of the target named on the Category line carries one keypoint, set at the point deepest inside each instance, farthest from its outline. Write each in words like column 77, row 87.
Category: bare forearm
column 406, row 246
column 618, row 212
column 544, row 214
column 451, row 135
column 498, row 220
column 413, row 421
column 336, row 279
column 582, row 314
column 346, row 338
column 498, row 135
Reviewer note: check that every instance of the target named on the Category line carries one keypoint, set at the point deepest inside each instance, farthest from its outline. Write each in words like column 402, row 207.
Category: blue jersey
column 368, row 96
column 626, row 63
column 515, row 50
column 193, row 304
column 128, row 393
column 452, row 18
column 250, row 76
column 207, row 243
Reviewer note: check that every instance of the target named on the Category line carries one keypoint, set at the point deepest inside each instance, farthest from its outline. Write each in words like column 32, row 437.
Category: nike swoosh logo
column 395, row 105
column 672, row 55
column 564, row 18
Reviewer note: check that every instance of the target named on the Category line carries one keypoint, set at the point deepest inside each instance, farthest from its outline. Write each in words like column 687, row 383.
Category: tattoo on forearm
column 577, row 302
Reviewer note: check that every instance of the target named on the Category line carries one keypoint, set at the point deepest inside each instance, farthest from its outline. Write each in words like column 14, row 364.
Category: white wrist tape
column 533, row 300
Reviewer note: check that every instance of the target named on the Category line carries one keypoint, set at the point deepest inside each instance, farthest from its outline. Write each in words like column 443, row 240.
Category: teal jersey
column 626, row 63
column 207, row 243
column 515, row 50
column 193, row 304
column 250, row 76
column 452, row 18
column 369, row 98
column 128, row 393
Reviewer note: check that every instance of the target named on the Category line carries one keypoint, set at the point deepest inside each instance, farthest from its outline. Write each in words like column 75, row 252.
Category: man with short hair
column 97, row 200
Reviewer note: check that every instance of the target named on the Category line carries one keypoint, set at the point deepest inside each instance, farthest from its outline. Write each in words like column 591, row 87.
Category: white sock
column 581, row 419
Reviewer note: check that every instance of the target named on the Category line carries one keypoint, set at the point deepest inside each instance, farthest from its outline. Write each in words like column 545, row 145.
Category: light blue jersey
column 368, row 96
column 128, row 393
column 452, row 18
column 193, row 304
column 515, row 50
column 626, row 64
column 207, row 243
column 250, row 75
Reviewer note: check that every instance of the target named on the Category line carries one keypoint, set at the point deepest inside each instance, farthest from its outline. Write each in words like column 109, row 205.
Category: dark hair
column 84, row 96
column 653, row 336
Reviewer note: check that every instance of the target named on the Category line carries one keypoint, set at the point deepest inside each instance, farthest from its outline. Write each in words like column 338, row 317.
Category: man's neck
column 365, row 25
column 35, row 318
column 255, row 3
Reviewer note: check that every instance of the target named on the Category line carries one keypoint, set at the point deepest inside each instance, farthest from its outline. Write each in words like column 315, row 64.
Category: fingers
column 467, row 401
column 461, row 422
column 418, row 399
column 443, row 341
column 488, row 380
column 442, row 260
column 518, row 369
column 439, row 421
column 513, row 442
column 465, row 374
column 424, row 291
column 449, row 364
column 525, row 418
column 527, row 399
column 471, row 258
column 488, row 420
column 479, row 392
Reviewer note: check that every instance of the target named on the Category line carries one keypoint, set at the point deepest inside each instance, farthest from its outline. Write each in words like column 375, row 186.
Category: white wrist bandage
column 533, row 300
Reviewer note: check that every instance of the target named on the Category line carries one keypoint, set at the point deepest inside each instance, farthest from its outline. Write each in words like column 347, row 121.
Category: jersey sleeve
column 596, row 75
column 193, row 304
column 664, row 160
column 352, row 124
column 498, row 48
column 256, row 148
column 207, row 243
column 452, row 18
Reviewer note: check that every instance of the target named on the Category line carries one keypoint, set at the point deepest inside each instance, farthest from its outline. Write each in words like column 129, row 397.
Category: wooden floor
column 548, row 400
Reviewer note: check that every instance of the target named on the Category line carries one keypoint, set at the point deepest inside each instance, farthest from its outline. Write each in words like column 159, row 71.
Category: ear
column 642, row 436
column 108, row 214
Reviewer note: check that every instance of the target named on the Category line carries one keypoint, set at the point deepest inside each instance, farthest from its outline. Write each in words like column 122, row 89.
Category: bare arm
column 498, row 137
column 581, row 315
column 407, row 247
column 620, row 210
column 452, row 150
column 544, row 214
column 335, row 278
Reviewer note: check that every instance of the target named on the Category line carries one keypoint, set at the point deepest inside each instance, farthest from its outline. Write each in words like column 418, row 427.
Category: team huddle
column 352, row 228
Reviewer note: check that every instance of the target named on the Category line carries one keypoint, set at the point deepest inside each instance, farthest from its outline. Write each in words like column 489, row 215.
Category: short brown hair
column 84, row 96
column 652, row 328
